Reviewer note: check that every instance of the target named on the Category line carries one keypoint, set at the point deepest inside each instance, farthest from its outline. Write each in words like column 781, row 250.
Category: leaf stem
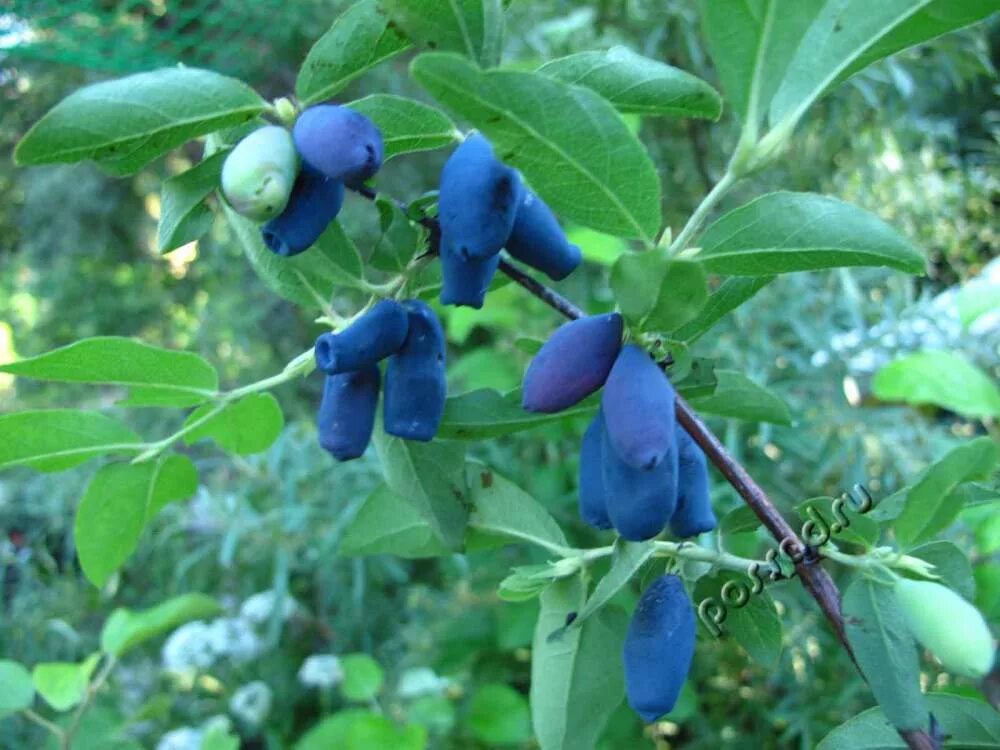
column 92, row 689
column 41, row 721
column 702, row 212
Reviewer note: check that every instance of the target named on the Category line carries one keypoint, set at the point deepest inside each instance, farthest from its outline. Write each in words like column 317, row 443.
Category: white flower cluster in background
column 421, row 681
column 931, row 323
column 321, row 671
column 260, row 607
column 252, row 703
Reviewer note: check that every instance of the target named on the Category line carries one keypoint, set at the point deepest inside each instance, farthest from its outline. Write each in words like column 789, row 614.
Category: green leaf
column 966, row 723
column 431, row 477
column 171, row 378
column 977, row 298
column 732, row 293
column 945, row 379
column 307, row 279
column 363, row 678
column 399, row 240
column 885, row 651
column 358, row 729
column 739, row 520
column 847, row 35
column 499, row 715
column 658, row 293
column 18, row 691
column 114, row 510
column 571, row 145
column 577, row 680
column 386, row 524
column 526, row 582
column 360, row 38
column 627, row 559
column 132, row 120
column 485, row 413
column 59, row 439
column 434, row 712
column 845, row 524
column 738, row 397
column 63, row 684
column 951, row 564
column 755, row 626
column 786, row 232
column 247, row 426
column 637, row 84
column 184, row 217
column 751, row 43
column 502, row 509
column 126, row 629
column 220, row 736
column 471, row 27
column 406, row 124
column 932, row 503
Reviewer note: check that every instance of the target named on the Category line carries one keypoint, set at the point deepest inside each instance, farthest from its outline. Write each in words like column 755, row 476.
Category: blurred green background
column 914, row 139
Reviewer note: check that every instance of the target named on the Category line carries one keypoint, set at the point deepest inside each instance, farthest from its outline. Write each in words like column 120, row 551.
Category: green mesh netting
column 231, row 36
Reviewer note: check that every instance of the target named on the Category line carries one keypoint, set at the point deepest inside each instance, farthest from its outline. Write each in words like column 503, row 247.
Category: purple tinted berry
column 638, row 403
column 314, row 203
column 639, row 501
column 415, row 386
column 573, row 363
column 659, row 646
column 593, row 501
column 370, row 339
column 464, row 281
column 347, row 413
column 339, row 142
column 538, row 240
column 694, row 514
column 477, row 202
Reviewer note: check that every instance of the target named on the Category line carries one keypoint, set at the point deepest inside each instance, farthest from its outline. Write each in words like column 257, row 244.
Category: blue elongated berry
column 537, row 239
column 347, row 413
column 638, row 403
column 258, row 175
column 415, row 386
column 370, row 339
column 694, row 514
column 659, row 646
column 640, row 502
column 573, row 363
column 339, row 142
column 477, row 202
column 314, row 203
column 593, row 500
column 464, row 281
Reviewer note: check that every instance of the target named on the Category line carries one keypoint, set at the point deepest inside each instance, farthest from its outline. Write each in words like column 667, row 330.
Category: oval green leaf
column 406, row 124
column 941, row 378
column 59, row 439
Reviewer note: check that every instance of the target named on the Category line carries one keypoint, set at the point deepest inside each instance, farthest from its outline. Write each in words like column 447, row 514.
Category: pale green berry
column 259, row 173
column 948, row 626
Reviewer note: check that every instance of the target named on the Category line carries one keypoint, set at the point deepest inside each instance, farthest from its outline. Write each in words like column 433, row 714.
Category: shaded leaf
column 184, row 217
column 471, row 27
column 363, row 677
column 359, row 39
column 627, row 559
column 637, row 84
column 738, row 397
column 951, row 564
column 431, row 477
column 502, row 509
column 577, row 680
column 499, row 715
column 18, row 692
column 387, row 524
column 659, row 293
column 731, row 294
column 360, row 729
column 755, row 625
column 485, row 413
column 885, row 651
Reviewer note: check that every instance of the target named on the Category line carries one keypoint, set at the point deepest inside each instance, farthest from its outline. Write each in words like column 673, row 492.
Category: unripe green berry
column 948, row 626
column 258, row 174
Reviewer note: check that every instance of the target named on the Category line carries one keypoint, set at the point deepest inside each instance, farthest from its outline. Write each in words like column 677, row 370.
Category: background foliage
column 913, row 139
